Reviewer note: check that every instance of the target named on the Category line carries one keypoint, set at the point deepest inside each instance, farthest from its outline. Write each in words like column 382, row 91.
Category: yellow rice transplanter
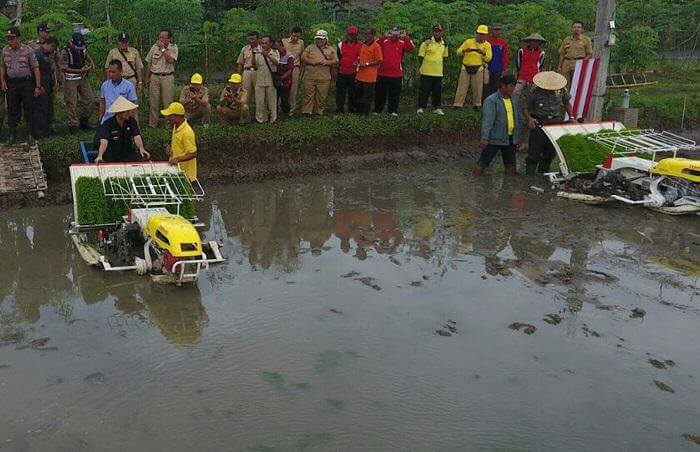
column 153, row 237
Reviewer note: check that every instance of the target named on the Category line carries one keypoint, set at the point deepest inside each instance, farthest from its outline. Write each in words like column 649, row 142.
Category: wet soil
column 368, row 310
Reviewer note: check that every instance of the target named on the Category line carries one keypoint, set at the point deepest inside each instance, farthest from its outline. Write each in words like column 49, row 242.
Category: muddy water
column 370, row 311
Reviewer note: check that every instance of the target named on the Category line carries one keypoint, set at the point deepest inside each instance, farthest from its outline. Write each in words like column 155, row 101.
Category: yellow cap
column 482, row 30
column 235, row 78
column 176, row 108
column 196, row 79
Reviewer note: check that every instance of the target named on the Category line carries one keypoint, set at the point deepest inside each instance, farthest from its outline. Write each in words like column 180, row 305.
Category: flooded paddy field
column 406, row 309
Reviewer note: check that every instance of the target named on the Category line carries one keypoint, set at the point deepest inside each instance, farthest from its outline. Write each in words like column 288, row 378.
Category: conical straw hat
column 121, row 104
column 549, row 80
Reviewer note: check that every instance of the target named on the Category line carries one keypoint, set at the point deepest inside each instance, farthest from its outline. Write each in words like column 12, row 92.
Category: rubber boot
column 11, row 137
column 531, row 169
column 510, row 170
column 544, row 166
column 478, row 170
column 85, row 124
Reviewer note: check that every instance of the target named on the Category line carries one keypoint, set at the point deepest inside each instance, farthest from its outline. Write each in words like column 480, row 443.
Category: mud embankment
column 233, row 163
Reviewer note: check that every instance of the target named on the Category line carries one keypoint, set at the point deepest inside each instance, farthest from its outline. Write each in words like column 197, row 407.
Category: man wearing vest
column 160, row 76
column 528, row 62
column 76, row 64
column 348, row 55
column 499, row 59
column 476, row 54
column 131, row 61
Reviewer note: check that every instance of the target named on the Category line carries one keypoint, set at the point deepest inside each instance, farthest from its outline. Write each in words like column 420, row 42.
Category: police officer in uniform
column 546, row 105
column 43, row 109
column 21, row 80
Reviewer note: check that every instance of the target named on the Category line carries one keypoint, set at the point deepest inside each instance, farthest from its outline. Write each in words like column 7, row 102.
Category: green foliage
column 91, row 201
column 581, row 153
column 636, row 51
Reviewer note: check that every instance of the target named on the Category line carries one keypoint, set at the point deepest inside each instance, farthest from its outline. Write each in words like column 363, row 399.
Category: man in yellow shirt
column 431, row 54
column 183, row 148
column 476, row 55
column 501, row 127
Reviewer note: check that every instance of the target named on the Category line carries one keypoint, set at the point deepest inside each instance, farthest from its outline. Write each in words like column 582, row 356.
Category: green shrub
column 583, row 154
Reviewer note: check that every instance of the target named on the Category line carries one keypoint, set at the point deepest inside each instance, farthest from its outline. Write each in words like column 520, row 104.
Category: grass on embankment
column 298, row 138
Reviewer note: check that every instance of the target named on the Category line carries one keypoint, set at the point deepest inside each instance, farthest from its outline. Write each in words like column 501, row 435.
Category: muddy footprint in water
column 525, row 327
column 552, row 319
column 448, row 329
column 663, row 386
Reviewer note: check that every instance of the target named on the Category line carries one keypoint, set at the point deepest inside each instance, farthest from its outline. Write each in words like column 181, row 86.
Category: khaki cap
column 121, row 104
column 549, row 80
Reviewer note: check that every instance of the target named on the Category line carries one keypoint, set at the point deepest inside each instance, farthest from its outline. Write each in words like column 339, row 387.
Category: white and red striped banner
column 582, row 86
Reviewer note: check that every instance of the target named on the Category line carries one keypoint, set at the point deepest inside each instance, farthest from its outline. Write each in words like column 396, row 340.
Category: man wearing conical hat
column 546, row 105
column 195, row 98
column 119, row 137
column 529, row 61
column 233, row 104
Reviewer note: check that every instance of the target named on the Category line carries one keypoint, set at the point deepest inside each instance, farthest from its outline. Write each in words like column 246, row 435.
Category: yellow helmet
column 482, row 30
column 196, row 79
column 235, row 78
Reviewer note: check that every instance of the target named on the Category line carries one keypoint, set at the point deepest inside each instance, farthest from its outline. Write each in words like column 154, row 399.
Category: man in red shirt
column 390, row 76
column 499, row 61
column 529, row 62
column 367, row 69
column 348, row 54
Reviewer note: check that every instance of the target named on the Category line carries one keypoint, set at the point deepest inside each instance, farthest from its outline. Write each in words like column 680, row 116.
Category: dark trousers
column 363, row 97
column 20, row 98
column 507, row 154
column 493, row 85
column 540, row 151
column 283, row 96
column 430, row 86
column 345, row 87
column 43, row 112
column 387, row 87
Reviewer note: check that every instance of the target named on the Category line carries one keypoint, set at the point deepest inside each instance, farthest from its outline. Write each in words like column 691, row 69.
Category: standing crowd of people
column 367, row 72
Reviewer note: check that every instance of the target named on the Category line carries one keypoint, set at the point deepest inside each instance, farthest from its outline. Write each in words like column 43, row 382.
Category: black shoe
column 85, row 124
column 30, row 140
column 72, row 130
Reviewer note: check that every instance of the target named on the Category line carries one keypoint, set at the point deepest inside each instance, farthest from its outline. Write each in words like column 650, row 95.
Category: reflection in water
column 438, row 217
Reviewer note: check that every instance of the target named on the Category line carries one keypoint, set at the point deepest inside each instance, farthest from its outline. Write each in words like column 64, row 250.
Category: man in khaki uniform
column 233, row 104
column 294, row 45
column 265, row 91
column 248, row 65
column 76, row 64
column 132, row 66
column 573, row 48
column 319, row 59
column 195, row 98
column 160, row 76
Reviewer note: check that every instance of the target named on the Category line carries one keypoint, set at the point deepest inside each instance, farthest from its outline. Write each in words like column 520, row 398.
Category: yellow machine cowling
column 678, row 167
column 175, row 234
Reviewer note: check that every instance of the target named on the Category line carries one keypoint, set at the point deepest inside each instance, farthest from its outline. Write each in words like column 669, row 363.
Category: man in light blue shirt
column 114, row 87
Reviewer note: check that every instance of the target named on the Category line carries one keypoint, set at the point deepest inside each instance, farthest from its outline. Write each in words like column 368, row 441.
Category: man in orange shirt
column 367, row 69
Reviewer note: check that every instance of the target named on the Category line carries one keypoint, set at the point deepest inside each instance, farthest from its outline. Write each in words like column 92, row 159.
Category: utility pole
column 604, row 39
